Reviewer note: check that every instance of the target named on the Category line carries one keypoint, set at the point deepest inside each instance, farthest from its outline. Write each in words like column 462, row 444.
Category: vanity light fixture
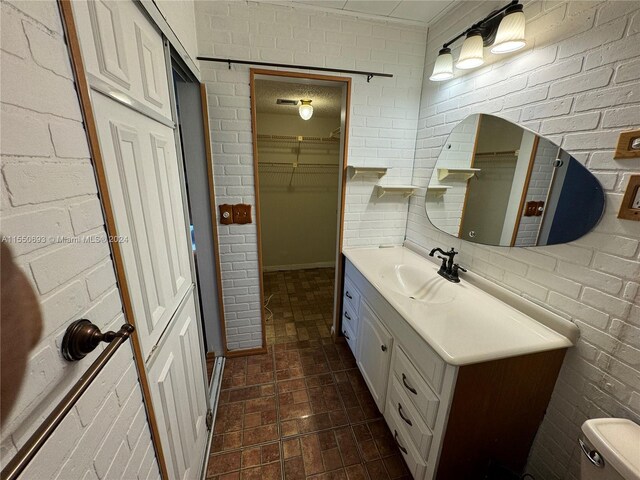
column 471, row 55
column 443, row 69
column 510, row 36
column 305, row 109
column 502, row 30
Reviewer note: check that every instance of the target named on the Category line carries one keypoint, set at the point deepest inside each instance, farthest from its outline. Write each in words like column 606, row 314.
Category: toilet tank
column 611, row 450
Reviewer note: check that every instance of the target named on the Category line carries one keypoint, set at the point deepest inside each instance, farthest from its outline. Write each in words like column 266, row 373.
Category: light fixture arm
column 487, row 26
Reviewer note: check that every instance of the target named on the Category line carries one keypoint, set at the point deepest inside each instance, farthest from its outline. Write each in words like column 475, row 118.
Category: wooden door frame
column 525, row 189
column 473, row 161
column 253, row 72
column 86, row 107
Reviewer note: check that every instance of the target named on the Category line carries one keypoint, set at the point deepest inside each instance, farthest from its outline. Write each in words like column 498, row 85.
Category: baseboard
column 245, row 352
column 298, row 266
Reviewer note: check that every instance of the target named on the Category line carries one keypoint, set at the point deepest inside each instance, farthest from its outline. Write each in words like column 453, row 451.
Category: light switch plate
column 226, row 214
column 630, row 208
column 628, row 145
column 635, row 203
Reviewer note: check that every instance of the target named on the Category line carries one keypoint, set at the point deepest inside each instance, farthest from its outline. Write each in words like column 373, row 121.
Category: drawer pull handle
column 407, row 421
column 348, row 295
column 383, row 348
column 402, row 449
column 408, row 387
column 344, row 332
column 347, row 316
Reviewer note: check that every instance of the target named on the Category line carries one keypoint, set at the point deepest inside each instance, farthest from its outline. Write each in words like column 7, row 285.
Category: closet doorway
column 299, row 140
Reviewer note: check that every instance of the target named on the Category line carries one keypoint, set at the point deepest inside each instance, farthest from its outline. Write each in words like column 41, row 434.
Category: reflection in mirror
column 497, row 183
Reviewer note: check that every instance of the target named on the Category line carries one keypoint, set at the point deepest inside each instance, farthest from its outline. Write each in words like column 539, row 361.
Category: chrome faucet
column 448, row 269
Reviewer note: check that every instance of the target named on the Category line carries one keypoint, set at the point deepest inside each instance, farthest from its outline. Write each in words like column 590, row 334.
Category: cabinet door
column 374, row 354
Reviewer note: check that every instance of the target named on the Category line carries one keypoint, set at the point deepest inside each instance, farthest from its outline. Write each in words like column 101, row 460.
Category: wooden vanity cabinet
column 495, row 413
column 450, row 422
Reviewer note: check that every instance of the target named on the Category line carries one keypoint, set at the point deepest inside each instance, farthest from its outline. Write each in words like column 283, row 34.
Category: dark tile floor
column 302, row 410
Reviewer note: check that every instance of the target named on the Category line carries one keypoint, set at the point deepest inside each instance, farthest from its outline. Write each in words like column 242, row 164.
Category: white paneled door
column 124, row 57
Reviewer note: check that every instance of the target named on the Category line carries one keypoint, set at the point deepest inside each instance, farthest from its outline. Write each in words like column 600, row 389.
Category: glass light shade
column 471, row 55
column 510, row 36
column 305, row 109
column 443, row 68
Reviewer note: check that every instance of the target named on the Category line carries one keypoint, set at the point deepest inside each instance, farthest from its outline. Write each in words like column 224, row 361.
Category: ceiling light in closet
column 305, row 109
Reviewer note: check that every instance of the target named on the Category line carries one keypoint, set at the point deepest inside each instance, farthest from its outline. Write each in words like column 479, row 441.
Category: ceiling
column 326, row 101
column 420, row 11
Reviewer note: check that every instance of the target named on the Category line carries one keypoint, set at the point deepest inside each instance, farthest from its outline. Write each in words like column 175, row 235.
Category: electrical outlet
column 242, row 213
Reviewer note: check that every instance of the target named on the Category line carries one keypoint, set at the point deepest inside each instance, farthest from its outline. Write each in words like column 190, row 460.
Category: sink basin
column 417, row 283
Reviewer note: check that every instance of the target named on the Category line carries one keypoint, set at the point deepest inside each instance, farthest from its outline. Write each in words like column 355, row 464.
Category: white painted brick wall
column 384, row 117
column 48, row 189
column 580, row 79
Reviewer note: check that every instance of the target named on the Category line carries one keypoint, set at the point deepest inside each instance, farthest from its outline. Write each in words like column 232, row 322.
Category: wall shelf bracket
column 464, row 173
column 354, row 171
column 405, row 190
column 438, row 190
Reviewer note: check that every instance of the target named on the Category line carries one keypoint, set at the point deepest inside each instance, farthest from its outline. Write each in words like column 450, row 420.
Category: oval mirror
column 497, row 183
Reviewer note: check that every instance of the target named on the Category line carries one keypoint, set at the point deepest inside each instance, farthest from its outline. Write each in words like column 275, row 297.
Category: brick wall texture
column 384, row 116
column 48, row 189
column 578, row 83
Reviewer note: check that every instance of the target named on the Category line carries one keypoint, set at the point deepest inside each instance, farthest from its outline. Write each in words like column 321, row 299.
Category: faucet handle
column 457, row 267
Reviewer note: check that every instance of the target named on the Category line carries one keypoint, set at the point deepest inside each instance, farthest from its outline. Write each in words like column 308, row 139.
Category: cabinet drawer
column 350, row 336
column 420, row 434
column 349, row 318
column 417, row 466
column 351, row 296
column 415, row 387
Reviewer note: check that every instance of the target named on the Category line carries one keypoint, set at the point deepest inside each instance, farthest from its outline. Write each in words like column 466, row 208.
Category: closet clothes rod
column 495, row 154
column 229, row 61
column 87, row 337
column 296, row 165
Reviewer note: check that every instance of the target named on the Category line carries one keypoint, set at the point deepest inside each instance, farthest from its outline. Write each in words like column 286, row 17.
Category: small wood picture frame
column 627, row 211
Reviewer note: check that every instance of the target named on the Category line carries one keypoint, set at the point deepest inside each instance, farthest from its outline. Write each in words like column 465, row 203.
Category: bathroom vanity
column 462, row 376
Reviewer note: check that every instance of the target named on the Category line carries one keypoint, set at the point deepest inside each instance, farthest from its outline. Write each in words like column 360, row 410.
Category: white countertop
column 473, row 327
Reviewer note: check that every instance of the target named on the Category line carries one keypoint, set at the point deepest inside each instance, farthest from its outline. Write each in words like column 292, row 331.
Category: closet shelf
column 465, row 173
column 405, row 190
column 355, row 170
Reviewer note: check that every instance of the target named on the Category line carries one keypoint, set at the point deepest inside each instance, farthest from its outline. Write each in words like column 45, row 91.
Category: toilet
column 611, row 449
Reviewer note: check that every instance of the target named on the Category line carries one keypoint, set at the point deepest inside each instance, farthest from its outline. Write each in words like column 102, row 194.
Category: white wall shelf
column 355, row 170
column 405, row 190
column 463, row 173
column 438, row 190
